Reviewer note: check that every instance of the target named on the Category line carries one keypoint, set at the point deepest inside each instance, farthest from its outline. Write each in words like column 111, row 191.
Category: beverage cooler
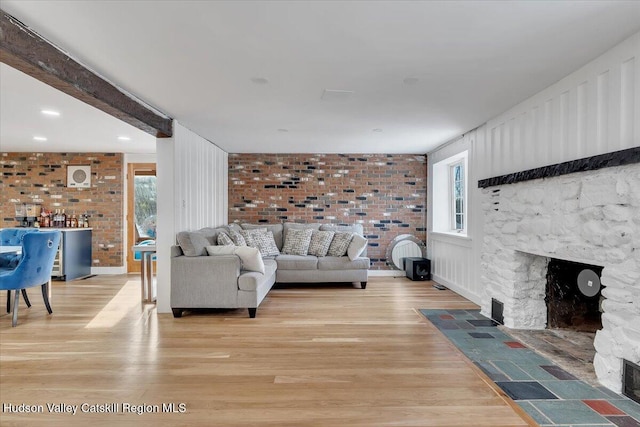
column 73, row 260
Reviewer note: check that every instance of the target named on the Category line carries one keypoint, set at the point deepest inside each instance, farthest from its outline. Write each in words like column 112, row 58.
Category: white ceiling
column 195, row 61
column 80, row 128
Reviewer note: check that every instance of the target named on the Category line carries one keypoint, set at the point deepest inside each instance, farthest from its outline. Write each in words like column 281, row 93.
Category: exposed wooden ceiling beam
column 28, row 52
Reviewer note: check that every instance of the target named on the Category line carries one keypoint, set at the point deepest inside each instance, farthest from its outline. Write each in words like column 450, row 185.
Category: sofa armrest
column 204, row 281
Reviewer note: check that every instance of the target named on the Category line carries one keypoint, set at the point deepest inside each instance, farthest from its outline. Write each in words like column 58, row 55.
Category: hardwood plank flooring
column 320, row 355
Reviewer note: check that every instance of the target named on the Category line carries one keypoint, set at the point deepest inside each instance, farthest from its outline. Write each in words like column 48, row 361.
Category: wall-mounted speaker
column 79, row 176
column 418, row 268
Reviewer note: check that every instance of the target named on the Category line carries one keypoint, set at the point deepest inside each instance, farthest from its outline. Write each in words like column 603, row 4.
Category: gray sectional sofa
column 202, row 281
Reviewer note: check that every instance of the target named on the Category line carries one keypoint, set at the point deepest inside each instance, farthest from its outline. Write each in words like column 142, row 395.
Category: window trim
column 442, row 211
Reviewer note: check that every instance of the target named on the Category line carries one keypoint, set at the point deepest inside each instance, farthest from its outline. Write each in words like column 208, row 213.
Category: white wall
column 455, row 259
column 192, row 193
column 594, row 110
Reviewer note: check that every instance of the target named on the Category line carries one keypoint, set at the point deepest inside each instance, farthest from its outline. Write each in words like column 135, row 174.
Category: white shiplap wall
column 192, row 193
column 594, row 110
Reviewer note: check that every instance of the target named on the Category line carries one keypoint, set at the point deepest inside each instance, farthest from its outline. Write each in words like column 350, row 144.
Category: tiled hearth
column 545, row 391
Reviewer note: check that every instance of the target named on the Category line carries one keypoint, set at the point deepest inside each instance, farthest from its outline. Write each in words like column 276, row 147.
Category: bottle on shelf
column 86, row 221
column 74, row 221
column 65, row 220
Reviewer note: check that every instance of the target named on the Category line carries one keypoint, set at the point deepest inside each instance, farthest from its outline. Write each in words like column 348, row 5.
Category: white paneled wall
column 455, row 260
column 200, row 174
column 594, row 110
column 192, row 193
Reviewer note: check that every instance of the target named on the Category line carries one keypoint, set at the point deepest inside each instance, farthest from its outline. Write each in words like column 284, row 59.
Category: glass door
column 141, row 210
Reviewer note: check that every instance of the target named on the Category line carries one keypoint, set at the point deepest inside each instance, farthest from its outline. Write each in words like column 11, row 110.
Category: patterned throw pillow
column 225, row 240
column 247, row 235
column 237, row 238
column 297, row 241
column 340, row 243
column 320, row 242
column 262, row 239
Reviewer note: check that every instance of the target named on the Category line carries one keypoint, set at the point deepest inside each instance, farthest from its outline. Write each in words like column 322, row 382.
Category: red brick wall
column 42, row 178
column 384, row 192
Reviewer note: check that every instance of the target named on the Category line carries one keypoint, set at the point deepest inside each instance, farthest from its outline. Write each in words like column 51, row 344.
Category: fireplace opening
column 631, row 380
column 573, row 296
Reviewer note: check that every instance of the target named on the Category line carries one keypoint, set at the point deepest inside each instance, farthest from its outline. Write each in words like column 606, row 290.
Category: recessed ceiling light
column 411, row 81
column 377, row 130
column 124, row 138
column 259, row 80
column 283, row 130
column 50, row 113
column 39, row 138
column 336, row 94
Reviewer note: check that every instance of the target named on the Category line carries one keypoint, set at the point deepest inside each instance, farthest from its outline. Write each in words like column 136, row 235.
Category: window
column 456, row 186
column 449, row 189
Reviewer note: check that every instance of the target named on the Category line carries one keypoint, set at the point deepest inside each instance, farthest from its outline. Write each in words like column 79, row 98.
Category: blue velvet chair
column 34, row 269
column 9, row 261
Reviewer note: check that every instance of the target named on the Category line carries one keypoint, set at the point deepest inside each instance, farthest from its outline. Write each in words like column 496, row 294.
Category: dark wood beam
column 26, row 51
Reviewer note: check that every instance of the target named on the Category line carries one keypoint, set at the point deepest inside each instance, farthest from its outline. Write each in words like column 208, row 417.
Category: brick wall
column 384, row 192
column 42, row 178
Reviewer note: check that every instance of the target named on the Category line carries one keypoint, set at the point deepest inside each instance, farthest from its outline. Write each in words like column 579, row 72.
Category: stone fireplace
column 584, row 214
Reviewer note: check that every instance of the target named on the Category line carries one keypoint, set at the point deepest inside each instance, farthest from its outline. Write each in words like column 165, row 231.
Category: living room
column 547, row 140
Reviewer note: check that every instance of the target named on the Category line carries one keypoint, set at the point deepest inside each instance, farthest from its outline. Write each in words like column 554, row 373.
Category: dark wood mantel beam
column 26, row 51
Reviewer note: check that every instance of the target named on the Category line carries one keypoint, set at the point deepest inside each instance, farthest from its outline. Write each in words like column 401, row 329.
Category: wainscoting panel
column 452, row 264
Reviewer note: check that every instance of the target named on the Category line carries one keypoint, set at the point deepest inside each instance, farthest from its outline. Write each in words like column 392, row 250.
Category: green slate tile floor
column 552, row 396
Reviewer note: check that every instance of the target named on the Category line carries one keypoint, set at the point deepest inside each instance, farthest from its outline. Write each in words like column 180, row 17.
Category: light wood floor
column 314, row 356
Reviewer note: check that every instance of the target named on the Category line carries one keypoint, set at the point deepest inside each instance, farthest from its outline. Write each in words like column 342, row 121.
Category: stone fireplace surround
column 585, row 211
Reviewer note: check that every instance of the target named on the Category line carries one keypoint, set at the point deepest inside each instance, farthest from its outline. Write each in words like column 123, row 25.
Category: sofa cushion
column 212, row 233
column 320, row 242
column 340, row 243
column 251, row 281
column 262, row 239
column 342, row 263
column 296, row 241
column 224, row 240
column 250, row 257
column 276, row 229
column 297, row 262
column 356, row 247
column 193, row 243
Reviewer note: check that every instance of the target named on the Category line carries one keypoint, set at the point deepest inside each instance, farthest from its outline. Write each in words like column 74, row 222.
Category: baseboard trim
column 108, row 270
column 387, row 273
column 458, row 289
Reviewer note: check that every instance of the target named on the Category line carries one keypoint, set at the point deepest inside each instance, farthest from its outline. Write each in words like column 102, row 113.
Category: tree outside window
column 457, row 197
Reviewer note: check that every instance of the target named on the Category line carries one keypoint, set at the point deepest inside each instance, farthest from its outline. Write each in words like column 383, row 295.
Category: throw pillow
column 262, row 239
column 192, row 243
column 225, row 240
column 247, row 235
column 297, row 241
column 221, row 250
column 237, row 238
column 250, row 257
column 320, row 242
column 340, row 243
column 356, row 247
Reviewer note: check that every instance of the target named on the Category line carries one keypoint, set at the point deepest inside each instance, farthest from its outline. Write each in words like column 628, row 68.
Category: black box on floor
column 418, row 268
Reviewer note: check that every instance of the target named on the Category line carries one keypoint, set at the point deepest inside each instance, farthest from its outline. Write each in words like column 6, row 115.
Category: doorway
column 141, row 209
